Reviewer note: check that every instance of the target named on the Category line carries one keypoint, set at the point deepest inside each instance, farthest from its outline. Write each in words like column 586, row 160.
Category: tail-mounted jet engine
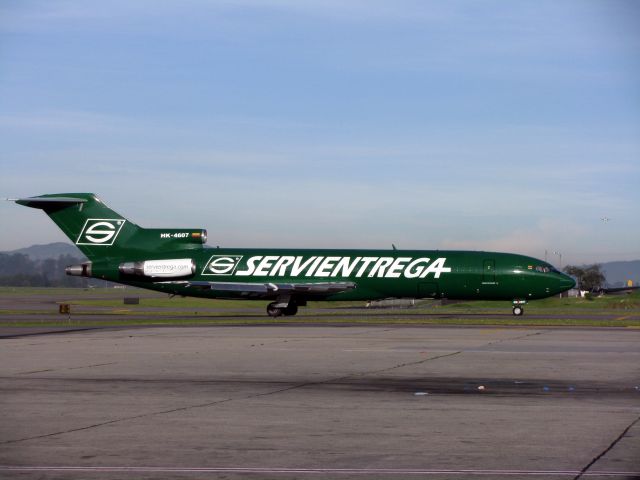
column 83, row 270
column 174, row 268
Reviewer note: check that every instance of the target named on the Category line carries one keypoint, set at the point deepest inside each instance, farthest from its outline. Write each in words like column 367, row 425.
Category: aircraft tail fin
column 98, row 231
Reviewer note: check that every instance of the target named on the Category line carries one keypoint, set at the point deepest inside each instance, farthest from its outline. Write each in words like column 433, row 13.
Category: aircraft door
column 489, row 271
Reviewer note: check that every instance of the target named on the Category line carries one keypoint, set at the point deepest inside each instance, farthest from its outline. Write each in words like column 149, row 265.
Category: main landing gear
column 275, row 309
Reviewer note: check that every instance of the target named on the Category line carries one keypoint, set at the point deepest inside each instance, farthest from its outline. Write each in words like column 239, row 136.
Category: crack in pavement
column 66, row 368
column 418, row 362
column 218, row 402
column 584, row 471
column 519, row 337
column 263, row 394
column 149, row 414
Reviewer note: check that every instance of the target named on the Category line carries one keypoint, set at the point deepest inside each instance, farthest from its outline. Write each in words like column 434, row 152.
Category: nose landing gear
column 518, row 307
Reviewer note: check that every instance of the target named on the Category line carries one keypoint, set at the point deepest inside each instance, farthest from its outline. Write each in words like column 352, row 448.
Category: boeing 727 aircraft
column 176, row 261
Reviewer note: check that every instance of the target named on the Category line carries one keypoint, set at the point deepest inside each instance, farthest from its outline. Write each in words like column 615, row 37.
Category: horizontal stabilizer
column 49, row 202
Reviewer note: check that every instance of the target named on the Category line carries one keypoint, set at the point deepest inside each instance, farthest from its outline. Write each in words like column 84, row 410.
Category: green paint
column 176, row 261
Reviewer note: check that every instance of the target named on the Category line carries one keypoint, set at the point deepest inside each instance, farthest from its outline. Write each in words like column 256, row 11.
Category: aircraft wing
column 271, row 289
column 617, row 291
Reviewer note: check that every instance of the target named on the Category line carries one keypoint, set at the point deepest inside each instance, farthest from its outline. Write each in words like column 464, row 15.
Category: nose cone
column 565, row 283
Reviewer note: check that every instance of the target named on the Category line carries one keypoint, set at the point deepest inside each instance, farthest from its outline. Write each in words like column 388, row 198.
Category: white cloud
column 65, row 121
column 531, row 239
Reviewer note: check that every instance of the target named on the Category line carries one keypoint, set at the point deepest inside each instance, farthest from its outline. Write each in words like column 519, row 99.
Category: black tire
column 273, row 311
column 518, row 311
column 291, row 310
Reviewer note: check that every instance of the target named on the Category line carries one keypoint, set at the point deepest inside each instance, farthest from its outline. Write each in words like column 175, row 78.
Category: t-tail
column 101, row 233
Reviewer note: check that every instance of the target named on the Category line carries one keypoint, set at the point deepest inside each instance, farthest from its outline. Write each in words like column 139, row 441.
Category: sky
column 481, row 125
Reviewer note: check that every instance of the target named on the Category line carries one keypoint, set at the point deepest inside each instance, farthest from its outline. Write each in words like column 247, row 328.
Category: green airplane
column 177, row 262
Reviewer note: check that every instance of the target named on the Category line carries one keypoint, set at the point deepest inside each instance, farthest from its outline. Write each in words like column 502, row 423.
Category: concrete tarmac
column 321, row 402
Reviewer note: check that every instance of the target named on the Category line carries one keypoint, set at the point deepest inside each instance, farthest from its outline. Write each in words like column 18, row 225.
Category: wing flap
column 270, row 289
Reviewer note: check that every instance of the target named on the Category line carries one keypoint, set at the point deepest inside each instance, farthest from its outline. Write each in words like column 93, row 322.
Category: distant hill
column 619, row 272
column 40, row 266
column 49, row 250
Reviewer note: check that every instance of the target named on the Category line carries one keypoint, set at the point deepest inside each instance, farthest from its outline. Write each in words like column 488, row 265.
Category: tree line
column 19, row 270
column 588, row 277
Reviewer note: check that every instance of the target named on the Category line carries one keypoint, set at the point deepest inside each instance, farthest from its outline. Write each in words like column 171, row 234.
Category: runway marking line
column 310, row 471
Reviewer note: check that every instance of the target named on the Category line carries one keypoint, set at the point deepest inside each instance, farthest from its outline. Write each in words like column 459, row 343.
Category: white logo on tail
column 100, row 231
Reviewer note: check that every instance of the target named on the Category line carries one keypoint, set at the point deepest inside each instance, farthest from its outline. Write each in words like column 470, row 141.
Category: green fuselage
column 377, row 274
column 176, row 261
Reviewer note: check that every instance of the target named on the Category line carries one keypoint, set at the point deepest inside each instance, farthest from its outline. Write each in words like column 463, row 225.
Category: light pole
column 560, row 256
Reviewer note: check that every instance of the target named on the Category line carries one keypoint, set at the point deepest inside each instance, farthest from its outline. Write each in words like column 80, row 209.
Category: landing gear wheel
column 290, row 310
column 274, row 311
column 518, row 311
